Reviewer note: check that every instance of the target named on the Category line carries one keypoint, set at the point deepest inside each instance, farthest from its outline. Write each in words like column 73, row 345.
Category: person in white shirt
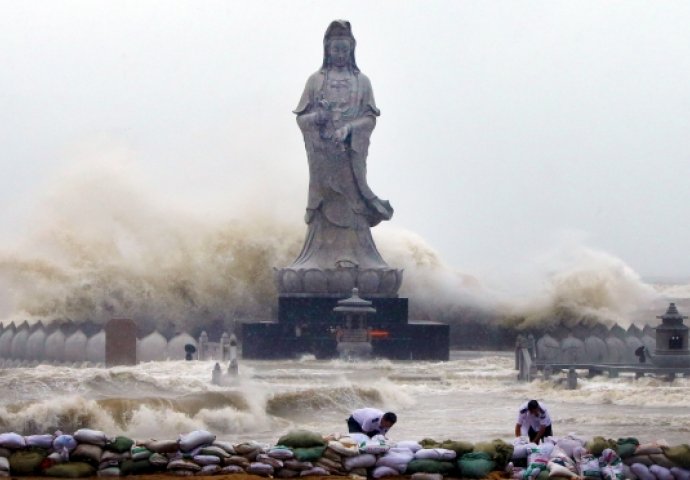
column 371, row 421
column 533, row 419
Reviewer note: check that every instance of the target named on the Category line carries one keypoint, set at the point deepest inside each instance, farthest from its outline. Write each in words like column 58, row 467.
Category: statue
column 337, row 115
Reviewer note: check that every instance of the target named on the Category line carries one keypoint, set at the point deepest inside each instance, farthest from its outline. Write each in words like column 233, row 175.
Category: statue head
column 336, row 39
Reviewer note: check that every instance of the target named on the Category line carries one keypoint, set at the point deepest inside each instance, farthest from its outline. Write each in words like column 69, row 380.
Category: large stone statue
column 337, row 115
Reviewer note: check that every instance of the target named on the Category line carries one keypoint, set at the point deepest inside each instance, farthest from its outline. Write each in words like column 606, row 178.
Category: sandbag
column 363, row 460
column 23, row 462
column 316, row 471
column 4, row 464
column 92, row 437
column 332, row 455
column 559, row 471
column 384, row 471
column 340, row 449
column 410, row 444
column 195, row 439
column 611, row 465
column 265, row 458
column 286, row 473
column 397, row 459
column 215, row 451
column 204, row 460
column 649, row 448
column 569, row 444
column 110, row 455
column 162, row 446
column 599, row 444
column 476, row 465
column 64, row 442
column 86, row 452
column 237, row 460
column 429, row 466
column 140, row 453
column 374, row 447
column 628, row 474
column 302, row 439
column 41, row 441
column 209, row 470
column 435, row 454
column 227, row 446
column 109, row 472
column 626, row 446
column 500, row 451
column 258, row 468
column 230, row 469
column 158, row 460
column 680, row 473
column 183, row 464
column 309, row 454
column 70, row 470
column 12, row 441
column 281, row 453
column 588, row 467
column 120, row 444
column 680, row 454
column 329, row 464
column 293, row 464
column 136, row 467
column 642, row 471
column 662, row 460
column 426, row 476
column 660, row 472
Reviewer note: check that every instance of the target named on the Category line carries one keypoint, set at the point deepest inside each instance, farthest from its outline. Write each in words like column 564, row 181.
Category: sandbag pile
column 600, row 459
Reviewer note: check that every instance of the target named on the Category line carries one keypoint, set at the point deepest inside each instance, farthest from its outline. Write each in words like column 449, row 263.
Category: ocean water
column 474, row 396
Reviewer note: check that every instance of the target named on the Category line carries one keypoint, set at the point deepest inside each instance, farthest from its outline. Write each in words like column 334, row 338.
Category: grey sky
column 508, row 128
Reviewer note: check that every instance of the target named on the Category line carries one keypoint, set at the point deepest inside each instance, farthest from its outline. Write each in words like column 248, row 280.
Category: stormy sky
column 508, row 129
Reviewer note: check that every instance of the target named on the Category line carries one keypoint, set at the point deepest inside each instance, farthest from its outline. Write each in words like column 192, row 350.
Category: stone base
column 372, row 282
column 306, row 325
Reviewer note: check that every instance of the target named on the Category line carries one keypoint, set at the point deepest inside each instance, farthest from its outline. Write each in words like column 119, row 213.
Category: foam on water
column 474, row 396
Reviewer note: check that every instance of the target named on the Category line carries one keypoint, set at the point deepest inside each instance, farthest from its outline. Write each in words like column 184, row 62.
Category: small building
column 671, row 340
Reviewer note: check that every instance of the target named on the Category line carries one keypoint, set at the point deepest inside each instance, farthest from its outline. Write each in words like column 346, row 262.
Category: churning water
column 474, row 397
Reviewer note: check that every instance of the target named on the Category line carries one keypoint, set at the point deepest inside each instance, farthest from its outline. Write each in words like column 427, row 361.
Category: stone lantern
column 352, row 335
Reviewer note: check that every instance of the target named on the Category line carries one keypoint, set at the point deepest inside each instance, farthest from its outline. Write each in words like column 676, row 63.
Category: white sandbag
column 40, row 441
column 227, row 446
column 580, row 453
column 628, row 474
column 359, row 438
column 214, row 450
column 643, row 459
column 588, row 467
column 343, row 450
column 397, row 460
column 364, row 460
column 258, row 468
column 248, row 448
column 92, row 437
column 520, row 451
column 556, row 470
column 109, row 472
column 612, row 472
column 204, row 460
column 195, row 439
column 410, row 444
column 642, row 471
column 59, row 457
column 316, row 471
column 348, row 441
column 426, row 476
column 374, row 447
column 281, row 453
column 569, row 444
column 4, row 465
column 109, row 455
column 12, row 441
column 110, row 463
column 435, row 454
column 183, row 464
column 661, row 473
column 63, row 442
column 230, row 469
column 265, row 458
column 383, row 471
column 209, row 470
column 158, row 460
column 680, row 473
column 238, row 460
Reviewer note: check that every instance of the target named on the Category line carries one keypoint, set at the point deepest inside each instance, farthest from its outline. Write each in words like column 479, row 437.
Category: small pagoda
column 671, row 340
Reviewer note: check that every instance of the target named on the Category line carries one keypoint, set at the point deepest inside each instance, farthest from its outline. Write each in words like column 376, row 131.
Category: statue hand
column 341, row 134
column 322, row 117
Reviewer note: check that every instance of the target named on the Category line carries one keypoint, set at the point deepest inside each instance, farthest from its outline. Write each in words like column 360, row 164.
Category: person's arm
column 540, row 434
column 518, row 430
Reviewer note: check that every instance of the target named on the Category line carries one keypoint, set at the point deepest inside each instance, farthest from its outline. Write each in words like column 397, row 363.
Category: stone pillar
column 224, row 347
column 233, row 368
column 203, row 345
column 572, row 379
column 120, row 342
column 216, row 374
